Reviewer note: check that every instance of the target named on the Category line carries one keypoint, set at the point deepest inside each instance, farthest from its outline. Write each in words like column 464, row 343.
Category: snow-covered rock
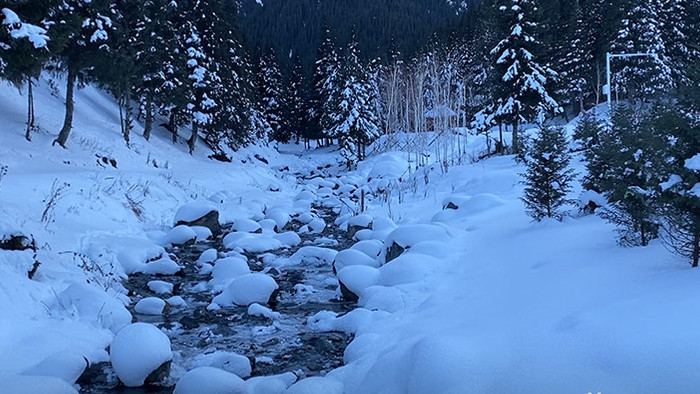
column 150, row 306
column 179, row 235
column 176, row 301
column 211, row 381
column 199, row 214
column 227, row 269
column 356, row 278
column 228, row 361
column 406, row 236
column 275, row 384
column 160, row 287
column 201, row 233
column 313, row 255
column 248, row 289
column 349, row 257
column 288, row 238
column 208, row 256
column 371, row 247
column 246, row 226
column 259, row 310
column 162, row 266
column 316, row 226
column 138, row 350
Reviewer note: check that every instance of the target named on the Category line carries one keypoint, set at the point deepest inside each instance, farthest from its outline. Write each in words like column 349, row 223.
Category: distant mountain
column 295, row 27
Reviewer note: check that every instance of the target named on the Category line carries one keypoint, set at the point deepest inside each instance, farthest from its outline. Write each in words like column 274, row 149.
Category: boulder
column 210, row 220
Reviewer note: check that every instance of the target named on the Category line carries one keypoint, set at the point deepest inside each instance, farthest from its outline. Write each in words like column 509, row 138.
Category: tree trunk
column 30, row 109
column 696, row 250
column 148, row 127
column 68, row 121
column 173, row 124
column 128, row 118
column 516, row 147
column 193, row 137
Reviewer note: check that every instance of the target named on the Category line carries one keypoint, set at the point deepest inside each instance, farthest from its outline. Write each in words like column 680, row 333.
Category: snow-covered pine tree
column 679, row 31
column 636, row 155
column 522, row 80
column 548, row 176
column 327, row 83
column 78, row 28
column 588, row 130
column 642, row 78
column 680, row 197
column 161, row 59
column 269, row 81
column 24, row 48
column 356, row 124
column 297, row 113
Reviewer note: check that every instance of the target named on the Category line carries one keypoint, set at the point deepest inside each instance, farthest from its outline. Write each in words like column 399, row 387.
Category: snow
column 316, row 385
column 351, row 256
column 693, row 163
column 136, row 351
column 313, row 255
column 160, row 287
column 275, row 384
column 226, row 270
column 176, row 301
column 695, row 190
column 370, row 247
column 247, row 289
column 208, row 256
column 246, row 225
column 358, row 277
column 210, row 380
column 259, row 310
column 150, row 306
column 288, row 238
column 88, row 304
column 228, row 361
column 68, row 366
column 35, row 385
column 192, row 211
column 180, row 235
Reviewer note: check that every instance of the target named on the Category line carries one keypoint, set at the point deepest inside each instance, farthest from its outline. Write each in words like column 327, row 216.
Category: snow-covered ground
column 473, row 299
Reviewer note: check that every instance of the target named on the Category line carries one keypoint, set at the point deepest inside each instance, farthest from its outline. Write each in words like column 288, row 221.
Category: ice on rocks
column 150, row 306
column 211, row 381
column 136, row 351
column 248, row 289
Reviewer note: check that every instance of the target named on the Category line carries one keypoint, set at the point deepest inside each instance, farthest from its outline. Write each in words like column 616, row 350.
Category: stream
column 272, row 346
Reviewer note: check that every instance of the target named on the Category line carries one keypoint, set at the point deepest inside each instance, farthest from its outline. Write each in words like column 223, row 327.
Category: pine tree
column 636, row 165
column 270, row 90
column 523, row 82
column 647, row 77
column 588, row 131
column 356, row 124
column 24, row 49
column 548, row 176
column 79, row 29
column 327, row 83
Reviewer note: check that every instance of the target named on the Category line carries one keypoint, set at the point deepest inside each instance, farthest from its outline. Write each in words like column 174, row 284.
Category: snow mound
column 179, row 235
column 248, row 289
column 150, row 306
column 253, row 243
column 408, row 268
column 226, row 270
column 693, row 163
column 316, row 226
column 163, row 266
column 316, row 385
column 349, row 323
column 288, row 238
column 211, row 381
column 313, row 255
column 160, row 287
column 246, row 226
column 35, row 385
column 138, row 350
column 259, row 310
column 275, row 384
column 383, row 298
column 349, row 257
column 176, row 301
column 228, row 361
column 370, row 247
column 68, row 366
column 358, row 277
column 208, row 256
column 93, row 306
